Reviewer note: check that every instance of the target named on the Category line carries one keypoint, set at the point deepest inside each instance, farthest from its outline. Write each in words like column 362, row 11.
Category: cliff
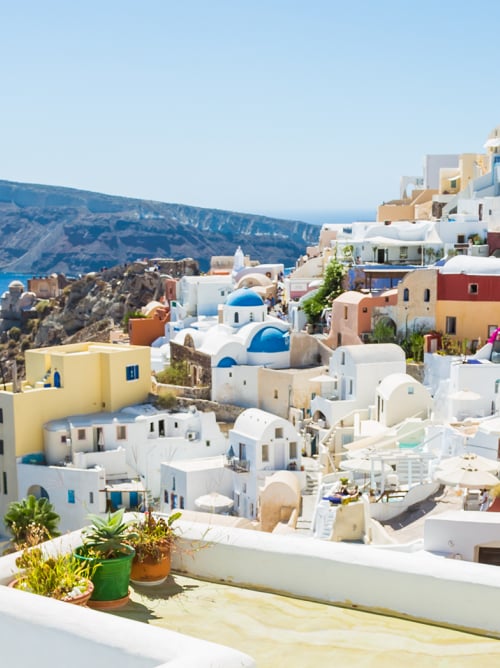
column 52, row 229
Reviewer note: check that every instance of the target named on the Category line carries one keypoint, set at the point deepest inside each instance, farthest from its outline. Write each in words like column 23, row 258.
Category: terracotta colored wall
column 143, row 331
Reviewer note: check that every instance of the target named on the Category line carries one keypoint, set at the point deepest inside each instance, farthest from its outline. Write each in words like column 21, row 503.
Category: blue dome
column 227, row 362
column 244, row 297
column 270, row 340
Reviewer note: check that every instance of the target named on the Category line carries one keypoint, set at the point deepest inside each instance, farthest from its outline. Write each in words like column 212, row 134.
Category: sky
column 278, row 107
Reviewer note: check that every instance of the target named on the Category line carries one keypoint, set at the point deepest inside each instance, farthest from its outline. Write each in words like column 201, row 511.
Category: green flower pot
column 111, row 578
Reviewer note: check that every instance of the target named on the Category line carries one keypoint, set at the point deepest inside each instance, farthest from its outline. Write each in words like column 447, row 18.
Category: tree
column 329, row 290
column 383, row 332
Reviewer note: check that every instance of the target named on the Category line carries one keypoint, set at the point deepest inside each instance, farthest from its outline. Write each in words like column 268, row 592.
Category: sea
column 324, row 216
column 7, row 277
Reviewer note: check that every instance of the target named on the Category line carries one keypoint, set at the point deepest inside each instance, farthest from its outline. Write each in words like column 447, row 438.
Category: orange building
column 143, row 331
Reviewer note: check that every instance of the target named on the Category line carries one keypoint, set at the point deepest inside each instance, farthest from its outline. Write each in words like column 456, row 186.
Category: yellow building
column 65, row 380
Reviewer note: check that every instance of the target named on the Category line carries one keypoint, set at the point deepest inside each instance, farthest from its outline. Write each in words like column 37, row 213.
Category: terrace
column 298, row 603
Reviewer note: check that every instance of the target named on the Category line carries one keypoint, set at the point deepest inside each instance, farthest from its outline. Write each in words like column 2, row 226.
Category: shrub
column 176, row 374
column 14, row 333
column 166, row 400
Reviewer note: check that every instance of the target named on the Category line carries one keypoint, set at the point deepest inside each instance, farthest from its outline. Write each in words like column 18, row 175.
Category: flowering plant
column 152, row 536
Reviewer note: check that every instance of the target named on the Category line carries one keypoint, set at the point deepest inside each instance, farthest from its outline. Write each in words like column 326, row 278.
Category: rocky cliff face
column 97, row 303
column 47, row 228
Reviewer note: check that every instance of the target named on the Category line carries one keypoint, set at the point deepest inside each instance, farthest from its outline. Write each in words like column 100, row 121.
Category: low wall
column 40, row 631
column 419, row 586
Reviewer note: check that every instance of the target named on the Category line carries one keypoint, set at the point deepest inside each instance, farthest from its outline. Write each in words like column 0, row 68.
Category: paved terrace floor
column 280, row 631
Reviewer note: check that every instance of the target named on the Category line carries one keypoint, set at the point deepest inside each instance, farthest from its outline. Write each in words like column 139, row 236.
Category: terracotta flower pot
column 150, row 571
column 80, row 599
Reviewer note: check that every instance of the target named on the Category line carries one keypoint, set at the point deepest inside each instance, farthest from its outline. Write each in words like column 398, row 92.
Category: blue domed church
column 245, row 339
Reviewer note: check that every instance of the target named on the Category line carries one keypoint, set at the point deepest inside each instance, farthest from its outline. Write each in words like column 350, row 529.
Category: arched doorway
column 38, row 492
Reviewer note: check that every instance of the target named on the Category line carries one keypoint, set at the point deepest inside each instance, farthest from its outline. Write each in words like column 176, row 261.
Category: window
column 406, row 295
column 451, row 324
column 121, row 433
column 176, row 425
column 132, row 372
column 181, row 503
column 151, row 427
column 1, row 414
column 293, row 450
column 1, row 446
column 63, row 438
column 275, row 394
column 207, row 443
column 244, row 382
column 350, row 386
column 345, row 312
column 403, row 253
column 91, row 497
column 71, row 496
column 460, row 238
column 81, row 434
column 365, row 309
column 165, row 495
column 411, row 389
column 242, row 451
column 173, row 501
column 473, row 288
column 265, row 453
column 4, row 476
column 427, row 295
column 236, row 317
column 278, row 432
column 342, row 358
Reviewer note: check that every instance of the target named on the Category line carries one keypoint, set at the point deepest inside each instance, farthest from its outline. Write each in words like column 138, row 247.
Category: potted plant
column 105, row 544
column 153, row 539
column 31, row 521
column 59, row 576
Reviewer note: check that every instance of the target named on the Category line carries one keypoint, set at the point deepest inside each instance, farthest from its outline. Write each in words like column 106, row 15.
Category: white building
column 94, row 460
column 182, row 482
column 201, row 295
column 260, row 444
column 356, row 371
column 400, row 396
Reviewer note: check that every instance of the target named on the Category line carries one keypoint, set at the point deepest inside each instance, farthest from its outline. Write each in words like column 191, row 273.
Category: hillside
column 49, row 228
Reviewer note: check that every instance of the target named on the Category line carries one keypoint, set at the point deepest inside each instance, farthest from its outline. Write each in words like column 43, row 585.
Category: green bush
column 330, row 289
column 166, row 401
column 14, row 333
column 176, row 374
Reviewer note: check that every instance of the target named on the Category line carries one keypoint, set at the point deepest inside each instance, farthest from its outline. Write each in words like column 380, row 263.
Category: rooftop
column 270, row 627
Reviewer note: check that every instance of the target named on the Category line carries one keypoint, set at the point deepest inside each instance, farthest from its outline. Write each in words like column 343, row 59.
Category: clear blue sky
column 257, row 105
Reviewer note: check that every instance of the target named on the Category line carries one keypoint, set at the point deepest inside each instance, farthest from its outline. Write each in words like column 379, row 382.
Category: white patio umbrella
column 365, row 466
column 469, row 460
column 467, row 477
column 214, row 503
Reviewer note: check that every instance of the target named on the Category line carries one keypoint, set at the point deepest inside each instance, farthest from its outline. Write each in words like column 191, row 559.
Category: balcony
column 238, row 465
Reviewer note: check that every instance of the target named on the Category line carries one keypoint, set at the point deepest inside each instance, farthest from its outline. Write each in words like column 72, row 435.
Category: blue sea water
column 322, row 217
column 7, row 277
